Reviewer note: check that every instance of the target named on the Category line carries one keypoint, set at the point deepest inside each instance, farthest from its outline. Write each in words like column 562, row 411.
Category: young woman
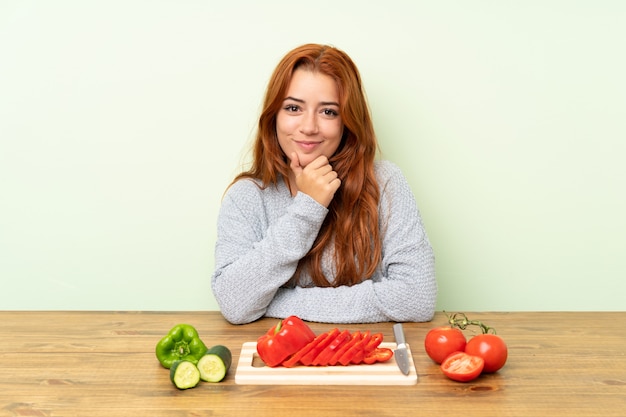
column 318, row 227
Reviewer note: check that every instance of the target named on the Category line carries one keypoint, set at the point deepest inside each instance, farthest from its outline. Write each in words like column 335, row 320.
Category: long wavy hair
column 352, row 222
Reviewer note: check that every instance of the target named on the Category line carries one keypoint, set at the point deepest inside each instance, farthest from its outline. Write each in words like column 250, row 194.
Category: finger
column 334, row 185
column 295, row 163
column 318, row 162
column 325, row 170
column 330, row 175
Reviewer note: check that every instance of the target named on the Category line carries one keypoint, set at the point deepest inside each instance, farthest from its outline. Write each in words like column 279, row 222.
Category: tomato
column 441, row 342
column 491, row 348
column 462, row 367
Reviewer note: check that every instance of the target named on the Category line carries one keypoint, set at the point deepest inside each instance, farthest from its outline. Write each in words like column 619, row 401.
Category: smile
column 307, row 145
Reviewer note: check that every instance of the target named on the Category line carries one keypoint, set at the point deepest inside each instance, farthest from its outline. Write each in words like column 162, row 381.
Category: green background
column 122, row 122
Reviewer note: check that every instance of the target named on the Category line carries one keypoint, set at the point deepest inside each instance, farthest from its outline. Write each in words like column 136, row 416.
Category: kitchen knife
column 400, row 353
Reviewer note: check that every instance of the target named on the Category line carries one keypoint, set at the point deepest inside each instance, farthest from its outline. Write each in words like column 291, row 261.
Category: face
column 308, row 122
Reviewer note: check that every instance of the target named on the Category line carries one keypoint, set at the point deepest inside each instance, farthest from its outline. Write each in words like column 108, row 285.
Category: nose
column 309, row 124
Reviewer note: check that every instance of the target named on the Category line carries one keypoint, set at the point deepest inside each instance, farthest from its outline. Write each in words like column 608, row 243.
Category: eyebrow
column 323, row 103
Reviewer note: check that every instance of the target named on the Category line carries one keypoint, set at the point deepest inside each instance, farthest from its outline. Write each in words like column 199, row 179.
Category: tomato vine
column 460, row 320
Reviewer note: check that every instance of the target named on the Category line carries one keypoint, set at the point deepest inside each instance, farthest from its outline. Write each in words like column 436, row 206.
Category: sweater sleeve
column 404, row 290
column 255, row 255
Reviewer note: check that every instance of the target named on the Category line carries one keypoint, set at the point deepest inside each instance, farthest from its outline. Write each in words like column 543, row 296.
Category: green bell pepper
column 181, row 343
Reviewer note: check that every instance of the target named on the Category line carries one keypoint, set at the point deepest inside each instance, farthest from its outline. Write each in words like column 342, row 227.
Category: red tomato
column 441, row 342
column 491, row 348
column 462, row 367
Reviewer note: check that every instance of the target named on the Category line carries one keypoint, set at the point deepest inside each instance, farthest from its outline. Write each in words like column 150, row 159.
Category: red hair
column 352, row 221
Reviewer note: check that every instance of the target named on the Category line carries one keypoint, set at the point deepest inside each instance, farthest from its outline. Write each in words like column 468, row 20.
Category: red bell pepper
column 324, row 357
column 308, row 359
column 354, row 339
column 295, row 358
column 355, row 353
column 283, row 340
column 378, row 355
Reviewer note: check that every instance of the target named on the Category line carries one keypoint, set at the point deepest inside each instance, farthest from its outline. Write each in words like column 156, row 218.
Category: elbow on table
column 413, row 309
column 237, row 315
column 424, row 316
column 411, row 312
column 233, row 308
column 415, row 316
column 235, row 318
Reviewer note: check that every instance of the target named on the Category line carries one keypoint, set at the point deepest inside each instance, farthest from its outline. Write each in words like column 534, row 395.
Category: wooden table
column 92, row 364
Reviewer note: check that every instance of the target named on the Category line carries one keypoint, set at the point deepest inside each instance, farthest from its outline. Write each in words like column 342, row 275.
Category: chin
column 306, row 159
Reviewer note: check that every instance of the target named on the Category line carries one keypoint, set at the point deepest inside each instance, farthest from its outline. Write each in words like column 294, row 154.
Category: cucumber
column 184, row 374
column 214, row 365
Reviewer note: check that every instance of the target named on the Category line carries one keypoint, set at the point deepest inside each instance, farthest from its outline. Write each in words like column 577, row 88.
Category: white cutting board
column 252, row 371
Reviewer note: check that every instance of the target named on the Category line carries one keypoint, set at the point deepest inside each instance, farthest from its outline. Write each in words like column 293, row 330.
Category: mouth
column 307, row 145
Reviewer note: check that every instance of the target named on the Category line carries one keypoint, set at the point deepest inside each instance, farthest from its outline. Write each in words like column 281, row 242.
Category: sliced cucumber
column 214, row 365
column 184, row 374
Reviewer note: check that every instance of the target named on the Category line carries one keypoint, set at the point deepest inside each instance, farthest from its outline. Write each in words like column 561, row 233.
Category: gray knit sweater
column 262, row 233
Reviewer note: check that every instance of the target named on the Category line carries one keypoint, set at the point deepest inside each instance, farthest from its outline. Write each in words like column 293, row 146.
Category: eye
column 292, row 108
column 330, row 112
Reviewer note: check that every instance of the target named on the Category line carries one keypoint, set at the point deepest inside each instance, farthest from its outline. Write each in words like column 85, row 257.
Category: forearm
column 246, row 286
column 254, row 259
column 406, row 293
column 326, row 305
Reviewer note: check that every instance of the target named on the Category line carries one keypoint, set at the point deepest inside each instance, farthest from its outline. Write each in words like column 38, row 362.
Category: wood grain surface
column 101, row 364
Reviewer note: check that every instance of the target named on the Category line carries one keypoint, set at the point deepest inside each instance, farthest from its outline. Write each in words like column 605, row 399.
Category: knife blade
column 400, row 353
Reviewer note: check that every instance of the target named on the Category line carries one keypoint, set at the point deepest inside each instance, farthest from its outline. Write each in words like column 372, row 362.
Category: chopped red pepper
column 283, row 340
column 325, row 355
column 355, row 338
column 310, row 357
column 295, row 358
column 378, row 355
column 376, row 340
column 357, row 353
column 292, row 342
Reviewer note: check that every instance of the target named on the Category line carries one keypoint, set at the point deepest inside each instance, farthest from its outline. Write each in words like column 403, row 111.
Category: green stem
column 181, row 348
column 278, row 327
column 461, row 321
